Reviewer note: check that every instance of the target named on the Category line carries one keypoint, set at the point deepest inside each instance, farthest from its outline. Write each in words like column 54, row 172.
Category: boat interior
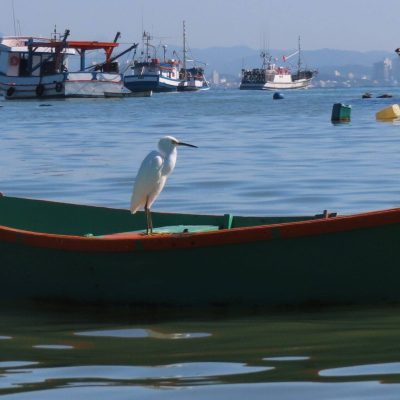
column 83, row 220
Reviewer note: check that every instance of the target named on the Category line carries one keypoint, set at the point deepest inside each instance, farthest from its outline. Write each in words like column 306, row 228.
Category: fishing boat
column 274, row 77
column 52, row 251
column 192, row 79
column 151, row 73
column 32, row 68
column 99, row 79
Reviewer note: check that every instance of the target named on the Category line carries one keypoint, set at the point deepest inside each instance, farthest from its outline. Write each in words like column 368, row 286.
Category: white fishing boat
column 274, row 77
column 192, row 79
column 33, row 67
column 94, row 80
column 151, row 73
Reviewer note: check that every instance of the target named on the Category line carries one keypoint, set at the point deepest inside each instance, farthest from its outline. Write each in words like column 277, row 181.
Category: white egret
column 153, row 174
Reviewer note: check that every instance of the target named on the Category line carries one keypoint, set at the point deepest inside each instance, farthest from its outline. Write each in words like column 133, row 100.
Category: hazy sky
column 339, row 24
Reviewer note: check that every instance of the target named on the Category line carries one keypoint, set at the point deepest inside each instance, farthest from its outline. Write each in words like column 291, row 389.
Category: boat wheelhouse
column 150, row 73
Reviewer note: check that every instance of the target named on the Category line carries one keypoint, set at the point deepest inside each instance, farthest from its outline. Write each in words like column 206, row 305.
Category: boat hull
column 20, row 88
column 333, row 269
column 340, row 260
column 66, row 85
column 92, row 84
column 155, row 83
column 193, row 85
column 299, row 84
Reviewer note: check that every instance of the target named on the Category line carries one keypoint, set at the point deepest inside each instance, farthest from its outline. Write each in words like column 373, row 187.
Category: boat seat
column 183, row 229
column 173, row 229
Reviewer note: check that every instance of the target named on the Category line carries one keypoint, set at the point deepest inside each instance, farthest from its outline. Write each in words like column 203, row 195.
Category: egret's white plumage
column 153, row 174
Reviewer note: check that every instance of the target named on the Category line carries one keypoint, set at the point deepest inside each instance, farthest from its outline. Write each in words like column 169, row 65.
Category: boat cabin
column 28, row 56
column 154, row 66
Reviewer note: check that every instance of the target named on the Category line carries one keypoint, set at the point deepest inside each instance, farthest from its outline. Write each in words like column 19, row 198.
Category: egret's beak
column 186, row 144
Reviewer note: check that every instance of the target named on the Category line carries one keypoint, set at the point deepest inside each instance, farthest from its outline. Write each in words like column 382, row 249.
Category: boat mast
column 299, row 59
column 184, row 49
column 146, row 41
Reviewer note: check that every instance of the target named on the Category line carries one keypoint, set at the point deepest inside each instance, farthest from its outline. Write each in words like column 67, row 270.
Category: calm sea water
column 256, row 156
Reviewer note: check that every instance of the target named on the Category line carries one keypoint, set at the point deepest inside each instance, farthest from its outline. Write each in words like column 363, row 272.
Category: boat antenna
column 13, row 11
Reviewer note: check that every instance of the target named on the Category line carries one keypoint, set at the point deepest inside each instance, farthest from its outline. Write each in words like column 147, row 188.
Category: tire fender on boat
column 10, row 91
column 59, row 87
column 39, row 90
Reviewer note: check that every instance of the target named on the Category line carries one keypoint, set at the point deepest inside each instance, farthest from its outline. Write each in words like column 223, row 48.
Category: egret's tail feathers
column 135, row 206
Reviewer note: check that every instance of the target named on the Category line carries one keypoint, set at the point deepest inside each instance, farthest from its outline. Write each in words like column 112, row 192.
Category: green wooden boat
column 94, row 255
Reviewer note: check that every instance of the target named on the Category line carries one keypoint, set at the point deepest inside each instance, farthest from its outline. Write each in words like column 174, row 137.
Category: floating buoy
column 390, row 112
column 278, row 96
column 341, row 112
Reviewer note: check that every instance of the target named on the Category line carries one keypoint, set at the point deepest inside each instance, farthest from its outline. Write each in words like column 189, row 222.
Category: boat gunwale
column 137, row 241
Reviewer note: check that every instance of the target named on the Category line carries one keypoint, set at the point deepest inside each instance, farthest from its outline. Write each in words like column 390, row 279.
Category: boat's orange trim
column 125, row 242
column 90, row 45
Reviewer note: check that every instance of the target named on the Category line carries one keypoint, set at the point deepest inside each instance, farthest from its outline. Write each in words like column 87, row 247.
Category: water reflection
column 360, row 370
column 230, row 354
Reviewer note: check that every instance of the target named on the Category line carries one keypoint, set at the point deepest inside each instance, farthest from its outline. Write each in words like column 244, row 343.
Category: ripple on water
column 16, row 364
column 183, row 371
column 255, row 391
column 287, row 358
column 53, row 346
column 361, row 370
column 142, row 333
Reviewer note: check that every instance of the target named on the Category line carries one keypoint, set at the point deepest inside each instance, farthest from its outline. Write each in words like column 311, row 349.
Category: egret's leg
column 151, row 222
column 149, row 228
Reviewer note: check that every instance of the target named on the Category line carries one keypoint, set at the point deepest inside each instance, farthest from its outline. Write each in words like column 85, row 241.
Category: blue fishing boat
column 150, row 73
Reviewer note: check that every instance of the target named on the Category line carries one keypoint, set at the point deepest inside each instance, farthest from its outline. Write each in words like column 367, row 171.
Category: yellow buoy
column 390, row 112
